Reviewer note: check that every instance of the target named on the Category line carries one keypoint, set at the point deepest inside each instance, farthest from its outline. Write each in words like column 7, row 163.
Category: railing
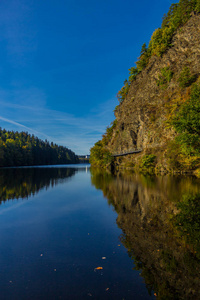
column 130, row 151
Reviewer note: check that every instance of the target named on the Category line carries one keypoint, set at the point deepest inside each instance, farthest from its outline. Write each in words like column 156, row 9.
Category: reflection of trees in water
column 159, row 217
column 22, row 182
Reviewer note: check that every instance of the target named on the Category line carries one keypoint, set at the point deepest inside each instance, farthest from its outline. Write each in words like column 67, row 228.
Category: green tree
column 99, row 155
column 122, row 94
column 133, row 71
column 143, row 59
column 186, row 78
column 187, row 124
column 165, row 77
column 21, row 149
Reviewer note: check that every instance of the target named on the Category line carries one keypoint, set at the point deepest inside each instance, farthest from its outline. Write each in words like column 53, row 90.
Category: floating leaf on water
column 99, row 268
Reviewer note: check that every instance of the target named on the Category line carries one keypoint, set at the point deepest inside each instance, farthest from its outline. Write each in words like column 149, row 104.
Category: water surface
column 68, row 233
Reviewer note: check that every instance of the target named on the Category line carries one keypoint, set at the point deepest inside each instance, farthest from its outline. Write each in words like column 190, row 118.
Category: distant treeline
column 23, row 149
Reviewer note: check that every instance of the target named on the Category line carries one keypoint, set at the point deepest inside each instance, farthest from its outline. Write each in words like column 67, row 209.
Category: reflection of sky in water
column 51, row 244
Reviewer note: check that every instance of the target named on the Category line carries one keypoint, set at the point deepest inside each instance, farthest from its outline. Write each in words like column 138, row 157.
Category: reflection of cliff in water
column 22, row 182
column 160, row 221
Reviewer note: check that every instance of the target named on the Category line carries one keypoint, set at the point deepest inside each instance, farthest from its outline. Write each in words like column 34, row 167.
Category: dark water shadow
column 18, row 183
column 160, row 221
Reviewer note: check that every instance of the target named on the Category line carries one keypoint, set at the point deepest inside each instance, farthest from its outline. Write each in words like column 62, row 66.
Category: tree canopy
column 23, row 149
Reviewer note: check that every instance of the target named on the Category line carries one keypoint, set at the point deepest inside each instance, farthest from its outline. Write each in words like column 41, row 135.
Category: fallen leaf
column 98, row 268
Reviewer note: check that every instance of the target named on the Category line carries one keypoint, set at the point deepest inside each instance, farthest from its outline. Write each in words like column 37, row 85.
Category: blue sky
column 63, row 62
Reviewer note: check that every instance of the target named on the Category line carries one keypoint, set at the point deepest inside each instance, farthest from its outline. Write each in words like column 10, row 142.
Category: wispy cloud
column 26, row 106
column 77, row 133
column 31, row 130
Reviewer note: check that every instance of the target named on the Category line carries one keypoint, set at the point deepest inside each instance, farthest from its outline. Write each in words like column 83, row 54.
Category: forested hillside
column 159, row 104
column 23, row 149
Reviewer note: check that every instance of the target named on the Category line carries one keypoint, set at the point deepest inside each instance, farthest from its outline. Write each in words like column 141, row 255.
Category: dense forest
column 23, row 149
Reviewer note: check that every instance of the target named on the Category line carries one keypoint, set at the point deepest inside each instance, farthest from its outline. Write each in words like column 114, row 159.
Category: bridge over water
column 123, row 153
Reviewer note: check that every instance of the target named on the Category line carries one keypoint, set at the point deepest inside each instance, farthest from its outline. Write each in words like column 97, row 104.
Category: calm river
column 68, row 232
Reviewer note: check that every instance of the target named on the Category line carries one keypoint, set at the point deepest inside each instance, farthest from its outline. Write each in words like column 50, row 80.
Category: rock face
column 141, row 117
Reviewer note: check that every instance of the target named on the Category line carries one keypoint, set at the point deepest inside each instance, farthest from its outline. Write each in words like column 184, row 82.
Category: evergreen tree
column 23, row 149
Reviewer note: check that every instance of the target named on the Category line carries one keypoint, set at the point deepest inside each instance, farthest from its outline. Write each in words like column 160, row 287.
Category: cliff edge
column 141, row 117
column 146, row 119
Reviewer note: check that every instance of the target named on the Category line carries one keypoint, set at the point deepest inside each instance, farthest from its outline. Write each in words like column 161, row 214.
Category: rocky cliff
column 142, row 117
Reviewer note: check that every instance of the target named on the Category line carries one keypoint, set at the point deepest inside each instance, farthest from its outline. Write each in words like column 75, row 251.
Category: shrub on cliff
column 99, row 155
column 197, row 7
column 147, row 163
column 187, row 124
column 109, row 131
column 133, row 71
column 121, row 95
column 165, row 77
column 186, row 78
column 143, row 59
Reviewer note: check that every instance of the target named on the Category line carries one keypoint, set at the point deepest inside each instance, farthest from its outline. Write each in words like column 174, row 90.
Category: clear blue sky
column 63, row 62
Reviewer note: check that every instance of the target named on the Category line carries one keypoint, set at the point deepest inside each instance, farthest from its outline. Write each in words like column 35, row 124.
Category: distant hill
column 23, row 149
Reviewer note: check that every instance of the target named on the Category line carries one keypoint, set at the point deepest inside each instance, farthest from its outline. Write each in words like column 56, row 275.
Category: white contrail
column 21, row 125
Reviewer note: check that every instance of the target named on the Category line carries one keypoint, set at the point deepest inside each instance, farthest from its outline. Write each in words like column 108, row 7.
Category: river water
column 68, row 232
